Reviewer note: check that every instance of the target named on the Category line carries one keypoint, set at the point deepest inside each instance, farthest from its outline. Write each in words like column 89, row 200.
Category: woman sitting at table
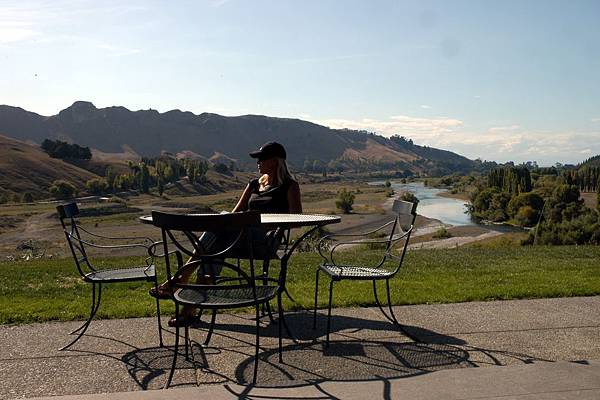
column 275, row 191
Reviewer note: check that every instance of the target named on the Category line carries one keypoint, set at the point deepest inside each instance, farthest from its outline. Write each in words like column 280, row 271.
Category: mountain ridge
column 149, row 133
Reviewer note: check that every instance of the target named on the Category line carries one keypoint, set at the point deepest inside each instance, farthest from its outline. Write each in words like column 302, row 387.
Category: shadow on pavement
column 354, row 355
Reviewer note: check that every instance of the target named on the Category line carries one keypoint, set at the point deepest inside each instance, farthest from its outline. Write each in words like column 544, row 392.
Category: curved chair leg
column 257, row 344
column 392, row 316
column 176, row 350
column 329, row 313
column 280, row 311
column 95, row 306
column 389, row 299
column 316, row 297
column 379, row 304
column 210, row 327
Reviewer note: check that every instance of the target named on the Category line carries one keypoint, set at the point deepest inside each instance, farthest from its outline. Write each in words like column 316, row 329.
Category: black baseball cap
column 269, row 150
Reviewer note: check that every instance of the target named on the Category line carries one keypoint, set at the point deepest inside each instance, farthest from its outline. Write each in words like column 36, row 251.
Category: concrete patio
column 524, row 349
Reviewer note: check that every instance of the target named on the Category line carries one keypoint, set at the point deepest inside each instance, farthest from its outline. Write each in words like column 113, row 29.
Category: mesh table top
column 283, row 220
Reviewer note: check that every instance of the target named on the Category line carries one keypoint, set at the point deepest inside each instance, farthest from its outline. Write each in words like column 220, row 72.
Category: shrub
column 526, row 216
column 408, row 196
column 27, row 197
column 62, row 190
column 530, row 199
column 96, row 186
column 442, row 233
column 345, row 200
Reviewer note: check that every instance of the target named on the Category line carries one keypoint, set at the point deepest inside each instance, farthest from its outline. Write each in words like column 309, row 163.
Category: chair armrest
column 142, row 238
column 152, row 253
column 332, row 249
column 333, row 235
column 104, row 246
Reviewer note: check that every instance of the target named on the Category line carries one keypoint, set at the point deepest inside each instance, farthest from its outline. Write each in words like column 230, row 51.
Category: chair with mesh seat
column 393, row 244
column 240, row 236
column 86, row 246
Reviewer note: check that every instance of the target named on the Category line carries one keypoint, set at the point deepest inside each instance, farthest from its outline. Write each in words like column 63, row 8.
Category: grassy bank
column 46, row 290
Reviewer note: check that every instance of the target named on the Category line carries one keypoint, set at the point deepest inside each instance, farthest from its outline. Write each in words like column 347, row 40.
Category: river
column 447, row 210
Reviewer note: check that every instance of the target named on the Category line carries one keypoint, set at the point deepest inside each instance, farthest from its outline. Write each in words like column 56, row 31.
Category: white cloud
column 498, row 143
column 14, row 34
column 425, row 107
column 118, row 50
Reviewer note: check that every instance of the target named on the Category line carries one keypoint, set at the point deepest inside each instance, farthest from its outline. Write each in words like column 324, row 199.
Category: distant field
column 589, row 199
column 45, row 290
column 38, row 222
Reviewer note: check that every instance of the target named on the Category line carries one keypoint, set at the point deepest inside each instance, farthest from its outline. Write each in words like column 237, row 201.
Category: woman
column 275, row 191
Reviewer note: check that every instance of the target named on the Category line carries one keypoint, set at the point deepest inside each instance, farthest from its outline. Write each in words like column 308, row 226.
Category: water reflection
column 447, row 210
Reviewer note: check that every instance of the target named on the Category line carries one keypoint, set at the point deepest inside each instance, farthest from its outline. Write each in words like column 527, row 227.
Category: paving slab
column 542, row 348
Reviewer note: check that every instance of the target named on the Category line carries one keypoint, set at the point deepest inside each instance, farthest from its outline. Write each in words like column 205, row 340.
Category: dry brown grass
column 27, row 168
column 589, row 198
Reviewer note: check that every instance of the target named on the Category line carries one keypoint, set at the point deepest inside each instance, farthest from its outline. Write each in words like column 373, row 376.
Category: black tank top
column 272, row 200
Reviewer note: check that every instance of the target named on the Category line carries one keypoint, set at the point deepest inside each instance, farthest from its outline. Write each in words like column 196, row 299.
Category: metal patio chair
column 83, row 243
column 394, row 246
column 240, row 237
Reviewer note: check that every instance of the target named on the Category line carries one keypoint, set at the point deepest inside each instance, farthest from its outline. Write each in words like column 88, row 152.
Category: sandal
column 183, row 321
column 161, row 292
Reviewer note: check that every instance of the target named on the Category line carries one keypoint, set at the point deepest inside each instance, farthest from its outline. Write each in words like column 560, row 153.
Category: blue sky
column 510, row 80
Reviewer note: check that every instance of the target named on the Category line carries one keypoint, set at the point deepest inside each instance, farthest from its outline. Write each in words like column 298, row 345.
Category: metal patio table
column 286, row 222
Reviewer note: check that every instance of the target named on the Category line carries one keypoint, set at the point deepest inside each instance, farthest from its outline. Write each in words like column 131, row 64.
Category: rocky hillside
column 148, row 133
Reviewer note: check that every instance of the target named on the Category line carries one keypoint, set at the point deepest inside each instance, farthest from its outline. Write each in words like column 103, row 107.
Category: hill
column 148, row 133
column 26, row 168
column 591, row 162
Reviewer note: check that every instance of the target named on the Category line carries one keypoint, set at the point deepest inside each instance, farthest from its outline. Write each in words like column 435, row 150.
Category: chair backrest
column 402, row 209
column 182, row 233
column 67, row 214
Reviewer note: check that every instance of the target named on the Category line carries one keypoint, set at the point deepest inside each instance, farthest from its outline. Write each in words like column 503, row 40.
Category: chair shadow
column 310, row 363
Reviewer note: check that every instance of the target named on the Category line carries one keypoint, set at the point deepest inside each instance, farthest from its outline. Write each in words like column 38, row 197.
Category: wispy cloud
column 425, row 107
column 399, row 124
column 118, row 50
column 324, row 59
column 23, row 21
column 499, row 143
column 218, row 3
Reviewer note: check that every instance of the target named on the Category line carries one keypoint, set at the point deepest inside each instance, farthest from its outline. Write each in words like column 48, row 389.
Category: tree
column 110, row 179
column 161, row 186
column 222, row 169
column 60, row 149
column 27, row 197
column 345, row 200
column 144, row 178
column 96, row 186
column 62, row 189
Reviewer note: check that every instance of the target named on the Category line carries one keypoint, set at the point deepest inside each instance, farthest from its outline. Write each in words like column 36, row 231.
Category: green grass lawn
column 44, row 290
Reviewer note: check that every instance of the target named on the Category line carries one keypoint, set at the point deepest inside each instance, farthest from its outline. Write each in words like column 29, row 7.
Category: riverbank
column 458, row 196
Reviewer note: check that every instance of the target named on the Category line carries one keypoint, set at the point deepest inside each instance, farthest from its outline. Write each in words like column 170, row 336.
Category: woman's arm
column 294, row 202
column 242, row 204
